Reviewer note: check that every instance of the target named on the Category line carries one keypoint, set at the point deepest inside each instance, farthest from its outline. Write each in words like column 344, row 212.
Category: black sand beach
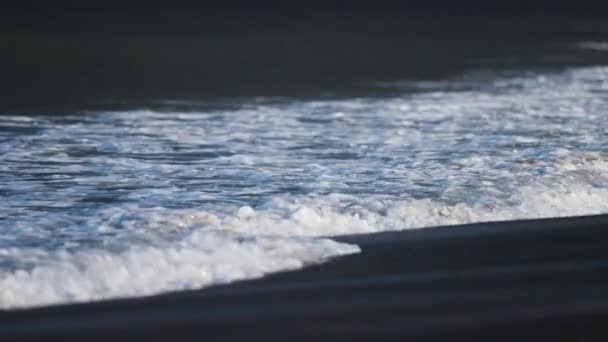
column 533, row 280
column 523, row 280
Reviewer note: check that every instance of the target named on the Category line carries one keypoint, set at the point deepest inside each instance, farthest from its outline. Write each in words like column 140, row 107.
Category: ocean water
column 110, row 204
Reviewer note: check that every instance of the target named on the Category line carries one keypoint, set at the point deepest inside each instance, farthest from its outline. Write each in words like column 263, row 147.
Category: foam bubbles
column 121, row 204
column 594, row 45
column 201, row 259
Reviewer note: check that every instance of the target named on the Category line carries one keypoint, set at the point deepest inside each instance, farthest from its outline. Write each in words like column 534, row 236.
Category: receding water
column 107, row 204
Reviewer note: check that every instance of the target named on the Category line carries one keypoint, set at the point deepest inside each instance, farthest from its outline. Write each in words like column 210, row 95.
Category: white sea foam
column 280, row 235
column 201, row 259
column 135, row 203
column 594, row 45
column 581, row 189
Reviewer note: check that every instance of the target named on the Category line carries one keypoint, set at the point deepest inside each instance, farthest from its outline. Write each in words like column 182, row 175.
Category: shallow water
column 127, row 203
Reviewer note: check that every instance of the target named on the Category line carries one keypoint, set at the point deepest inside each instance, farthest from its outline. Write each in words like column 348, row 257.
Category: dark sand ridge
column 521, row 280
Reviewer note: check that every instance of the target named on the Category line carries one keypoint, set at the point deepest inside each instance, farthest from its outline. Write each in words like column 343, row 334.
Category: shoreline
column 543, row 278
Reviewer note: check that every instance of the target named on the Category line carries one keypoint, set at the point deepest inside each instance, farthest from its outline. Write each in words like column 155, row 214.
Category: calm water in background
column 135, row 165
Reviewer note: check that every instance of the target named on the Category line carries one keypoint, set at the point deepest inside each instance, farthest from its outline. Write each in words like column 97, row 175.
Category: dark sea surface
column 141, row 155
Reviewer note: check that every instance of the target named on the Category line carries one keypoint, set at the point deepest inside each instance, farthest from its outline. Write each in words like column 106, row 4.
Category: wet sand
column 193, row 61
column 531, row 280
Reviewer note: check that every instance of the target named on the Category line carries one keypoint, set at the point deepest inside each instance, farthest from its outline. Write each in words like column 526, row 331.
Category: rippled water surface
column 111, row 204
